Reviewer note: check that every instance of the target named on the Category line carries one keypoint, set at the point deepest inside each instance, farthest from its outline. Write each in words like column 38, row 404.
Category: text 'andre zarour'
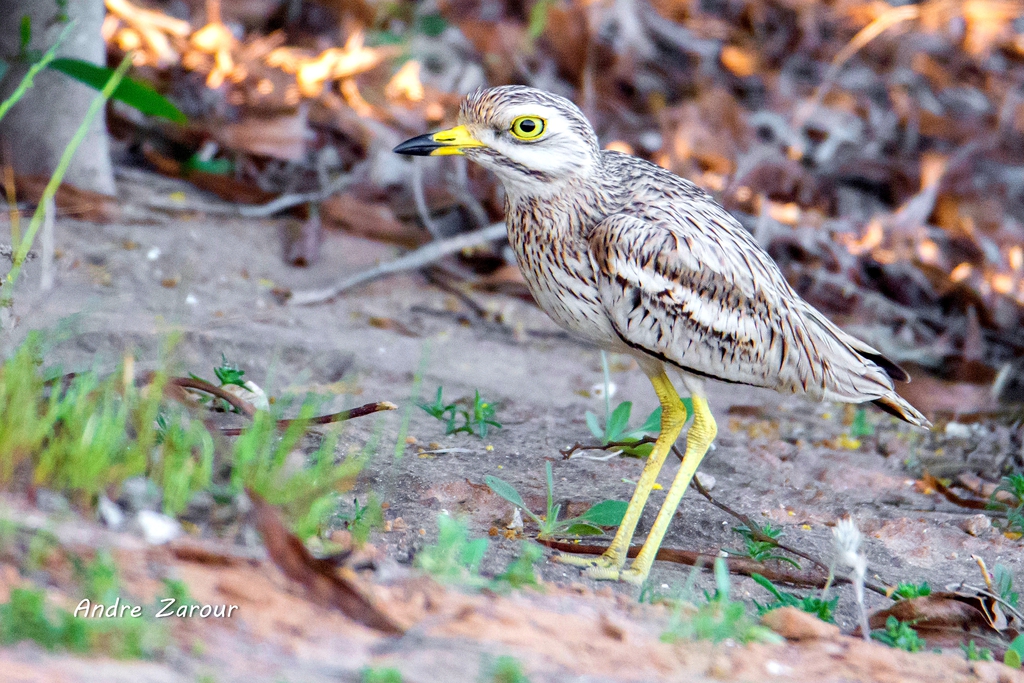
column 166, row 607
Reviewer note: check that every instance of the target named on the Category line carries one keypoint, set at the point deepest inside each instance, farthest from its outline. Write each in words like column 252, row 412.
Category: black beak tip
column 420, row 146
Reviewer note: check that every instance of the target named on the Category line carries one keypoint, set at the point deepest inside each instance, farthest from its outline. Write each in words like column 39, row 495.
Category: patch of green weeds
column 476, row 419
column 372, row 674
column 973, row 653
column 823, row 609
column 85, row 435
column 305, row 492
column 605, row 513
column 909, row 591
column 454, row 559
column 91, row 435
column 360, row 520
column 760, row 550
column 27, row 617
column 720, row 618
column 503, row 669
column 1015, row 653
column 900, row 635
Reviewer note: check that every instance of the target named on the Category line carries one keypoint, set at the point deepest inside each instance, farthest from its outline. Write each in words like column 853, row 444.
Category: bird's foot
column 602, row 568
column 633, row 576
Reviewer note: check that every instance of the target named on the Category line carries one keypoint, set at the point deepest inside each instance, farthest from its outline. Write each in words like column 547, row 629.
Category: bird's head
column 533, row 140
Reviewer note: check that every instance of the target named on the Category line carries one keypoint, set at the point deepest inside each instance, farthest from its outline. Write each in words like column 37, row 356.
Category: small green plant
column 617, row 430
column 520, row 572
column 605, row 513
column 98, row 578
column 503, row 669
column 454, row 559
column 823, row 609
column 720, row 618
column 1015, row 653
column 973, row 653
column 177, row 590
column 380, row 675
column 227, row 373
column 909, row 591
column 861, row 427
column 360, row 520
column 475, row 420
column 1002, row 581
column 900, row 635
column 757, row 549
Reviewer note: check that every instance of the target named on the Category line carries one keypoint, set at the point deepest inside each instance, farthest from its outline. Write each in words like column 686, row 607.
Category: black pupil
column 527, row 126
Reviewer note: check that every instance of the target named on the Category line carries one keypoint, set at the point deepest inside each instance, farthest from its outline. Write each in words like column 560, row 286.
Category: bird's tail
column 895, row 405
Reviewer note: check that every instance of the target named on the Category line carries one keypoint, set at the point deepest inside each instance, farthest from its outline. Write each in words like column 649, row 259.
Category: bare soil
column 125, row 287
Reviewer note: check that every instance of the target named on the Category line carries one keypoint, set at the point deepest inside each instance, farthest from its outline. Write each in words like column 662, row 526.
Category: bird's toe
column 599, row 573
column 633, row 576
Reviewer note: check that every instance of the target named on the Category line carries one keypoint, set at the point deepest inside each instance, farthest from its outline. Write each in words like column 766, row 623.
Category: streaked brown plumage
column 635, row 259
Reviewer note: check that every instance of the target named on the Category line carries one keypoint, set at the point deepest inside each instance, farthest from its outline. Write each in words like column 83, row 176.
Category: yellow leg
column 698, row 440
column 673, row 417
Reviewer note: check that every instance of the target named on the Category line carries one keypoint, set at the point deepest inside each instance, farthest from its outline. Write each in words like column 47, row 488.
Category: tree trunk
column 35, row 131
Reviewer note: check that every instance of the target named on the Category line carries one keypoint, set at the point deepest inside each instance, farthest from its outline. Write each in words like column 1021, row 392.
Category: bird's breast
column 555, row 263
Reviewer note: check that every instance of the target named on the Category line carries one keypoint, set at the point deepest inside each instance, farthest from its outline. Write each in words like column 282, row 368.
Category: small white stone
column 110, row 513
column 517, row 521
column 153, row 254
column 158, row 528
column 597, row 390
column 958, row 430
column 191, row 300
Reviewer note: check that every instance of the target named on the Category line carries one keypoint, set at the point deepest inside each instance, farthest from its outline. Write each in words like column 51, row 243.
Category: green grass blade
column 58, row 174
column 27, row 81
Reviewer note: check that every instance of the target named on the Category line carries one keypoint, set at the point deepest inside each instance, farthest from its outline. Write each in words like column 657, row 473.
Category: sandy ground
column 126, row 286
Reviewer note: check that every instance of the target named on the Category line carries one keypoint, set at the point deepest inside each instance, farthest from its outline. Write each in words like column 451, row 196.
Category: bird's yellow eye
column 528, row 127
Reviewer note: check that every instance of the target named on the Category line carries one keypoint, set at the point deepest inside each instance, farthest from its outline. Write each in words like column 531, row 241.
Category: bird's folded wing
column 694, row 289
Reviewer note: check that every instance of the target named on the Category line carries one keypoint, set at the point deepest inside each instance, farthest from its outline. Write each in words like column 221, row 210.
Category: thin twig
column 287, row 201
column 419, row 196
column 611, row 445
column 736, row 565
column 239, row 404
column 367, row 409
column 755, row 529
column 414, row 260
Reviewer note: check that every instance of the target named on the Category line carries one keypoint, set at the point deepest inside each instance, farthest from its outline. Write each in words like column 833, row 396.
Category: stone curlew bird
column 639, row 261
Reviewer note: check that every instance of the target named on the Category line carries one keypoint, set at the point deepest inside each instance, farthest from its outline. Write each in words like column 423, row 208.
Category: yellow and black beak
column 445, row 143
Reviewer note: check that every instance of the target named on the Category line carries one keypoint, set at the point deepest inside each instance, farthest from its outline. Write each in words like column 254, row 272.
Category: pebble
column 976, row 525
column 158, row 528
